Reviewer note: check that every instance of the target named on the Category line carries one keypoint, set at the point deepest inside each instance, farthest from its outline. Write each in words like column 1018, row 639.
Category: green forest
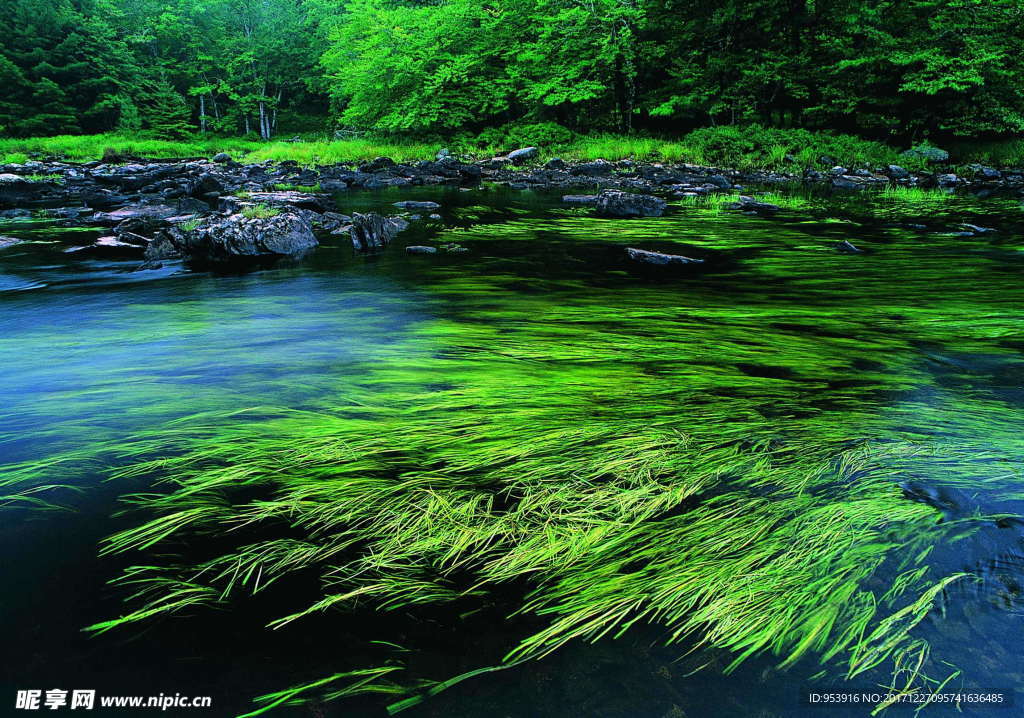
column 901, row 71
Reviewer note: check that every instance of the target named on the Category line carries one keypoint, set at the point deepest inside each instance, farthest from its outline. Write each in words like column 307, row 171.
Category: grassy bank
column 739, row 147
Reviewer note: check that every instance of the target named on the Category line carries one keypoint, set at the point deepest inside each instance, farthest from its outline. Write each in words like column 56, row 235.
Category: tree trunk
column 202, row 114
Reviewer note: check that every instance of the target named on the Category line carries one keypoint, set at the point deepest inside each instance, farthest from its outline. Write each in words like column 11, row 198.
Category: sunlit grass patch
column 722, row 200
column 58, row 178
column 285, row 187
column 339, row 152
column 916, row 194
column 260, row 211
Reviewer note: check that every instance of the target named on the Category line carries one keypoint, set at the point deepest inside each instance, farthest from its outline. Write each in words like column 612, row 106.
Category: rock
column 613, row 203
column 412, row 205
column 205, row 186
column 435, row 216
column 838, row 171
column 6, row 242
column 555, row 164
column 222, row 158
column 986, row 173
column 749, row 204
column 522, row 156
column 378, row 164
column 929, row 154
column 148, row 212
column 135, row 177
column 15, row 189
column 848, row 247
column 373, row 231
column 420, row 249
column 976, row 229
column 299, row 200
column 442, row 154
column 221, row 239
column 897, row 172
column 946, row 180
column 856, row 182
column 333, row 221
column 659, row 258
column 720, row 181
column 140, row 230
column 597, row 168
column 580, row 198
column 110, row 242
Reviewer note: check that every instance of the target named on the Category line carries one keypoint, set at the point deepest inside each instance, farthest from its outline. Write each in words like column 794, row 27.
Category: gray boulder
column 223, row 239
column 373, row 231
column 378, row 164
column 848, row 247
column 659, row 258
column 522, row 156
column 420, row 249
column 15, row 189
column 221, row 157
column 6, row 242
column 749, row 204
column 145, row 212
column 597, row 168
column 613, row 203
column 580, row 198
column 412, row 204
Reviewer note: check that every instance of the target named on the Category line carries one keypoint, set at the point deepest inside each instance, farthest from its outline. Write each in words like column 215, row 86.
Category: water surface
column 909, row 352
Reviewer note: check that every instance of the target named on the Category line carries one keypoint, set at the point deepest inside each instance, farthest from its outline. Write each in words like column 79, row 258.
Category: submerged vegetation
column 733, row 464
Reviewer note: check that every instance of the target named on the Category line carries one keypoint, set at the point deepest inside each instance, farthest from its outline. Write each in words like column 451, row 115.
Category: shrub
column 540, row 134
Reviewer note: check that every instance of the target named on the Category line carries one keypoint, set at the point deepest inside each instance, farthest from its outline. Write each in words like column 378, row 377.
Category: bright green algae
column 727, row 453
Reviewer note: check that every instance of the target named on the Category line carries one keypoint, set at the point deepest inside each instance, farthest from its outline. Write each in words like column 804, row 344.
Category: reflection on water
column 540, row 346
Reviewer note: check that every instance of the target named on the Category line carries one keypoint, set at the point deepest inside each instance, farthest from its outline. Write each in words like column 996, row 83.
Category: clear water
column 917, row 341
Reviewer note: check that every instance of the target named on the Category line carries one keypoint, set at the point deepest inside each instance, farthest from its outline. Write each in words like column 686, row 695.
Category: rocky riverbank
column 221, row 210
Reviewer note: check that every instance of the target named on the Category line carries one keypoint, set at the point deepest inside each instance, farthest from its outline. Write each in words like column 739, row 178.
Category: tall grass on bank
column 746, row 148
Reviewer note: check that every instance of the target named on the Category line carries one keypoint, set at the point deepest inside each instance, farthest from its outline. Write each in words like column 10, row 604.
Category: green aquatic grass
column 720, row 201
column 916, row 195
column 724, row 461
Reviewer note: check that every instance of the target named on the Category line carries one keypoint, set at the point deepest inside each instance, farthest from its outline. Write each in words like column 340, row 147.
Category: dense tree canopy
column 911, row 68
